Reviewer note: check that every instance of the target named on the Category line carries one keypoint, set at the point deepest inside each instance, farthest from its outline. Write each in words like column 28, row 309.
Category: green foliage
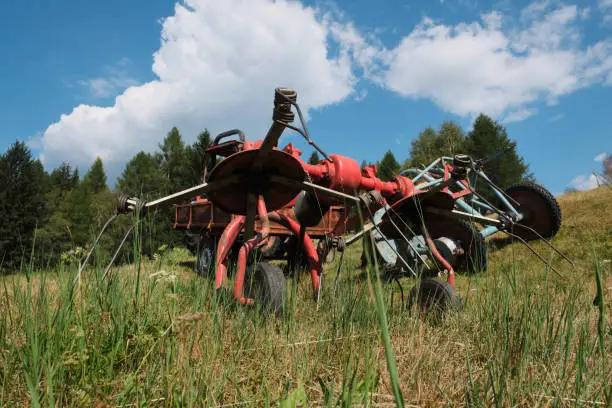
column 314, row 158
column 95, row 179
column 489, row 137
column 69, row 212
column 430, row 145
column 143, row 177
column 174, row 163
column 197, row 157
column 389, row 167
column 22, row 204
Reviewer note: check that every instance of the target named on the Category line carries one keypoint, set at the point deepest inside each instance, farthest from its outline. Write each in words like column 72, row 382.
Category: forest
column 52, row 217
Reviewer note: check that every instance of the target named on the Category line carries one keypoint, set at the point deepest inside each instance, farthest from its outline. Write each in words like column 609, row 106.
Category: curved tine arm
column 201, row 189
column 179, row 196
column 464, row 215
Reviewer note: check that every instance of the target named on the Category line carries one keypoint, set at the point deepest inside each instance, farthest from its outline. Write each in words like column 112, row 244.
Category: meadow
column 155, row 334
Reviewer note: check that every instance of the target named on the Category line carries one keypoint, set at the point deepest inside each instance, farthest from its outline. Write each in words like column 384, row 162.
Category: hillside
column 160, row 337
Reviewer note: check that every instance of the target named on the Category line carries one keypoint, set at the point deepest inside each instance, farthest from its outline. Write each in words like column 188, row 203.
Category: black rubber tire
column 434, row 295
column 542, row 211
column 205, row 256
column 474, row 259
column 267, row 284
column 302, row 264
column 191, row 240
column 275, row 249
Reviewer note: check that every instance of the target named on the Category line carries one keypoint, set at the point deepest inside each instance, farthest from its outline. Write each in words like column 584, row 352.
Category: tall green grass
column 154, row 334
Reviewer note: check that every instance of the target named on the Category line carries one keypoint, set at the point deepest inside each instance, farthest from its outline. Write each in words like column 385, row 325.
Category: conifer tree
column 389, row 167
column 314, row 158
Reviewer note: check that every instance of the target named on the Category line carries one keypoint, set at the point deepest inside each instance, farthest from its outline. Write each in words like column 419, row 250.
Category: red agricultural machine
column 261, row 199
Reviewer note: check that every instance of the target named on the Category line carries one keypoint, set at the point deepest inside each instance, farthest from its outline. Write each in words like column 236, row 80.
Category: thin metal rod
column 78, row 276
column 495, row 187
column 401, row 258
column 108, row 267
column 367, row 228
column 468, row 216
column 547, row 242
column 305, row 132
column 337, row 279
column 308, row 139
column 330, row 192
column 403, row 236
column 535, row 253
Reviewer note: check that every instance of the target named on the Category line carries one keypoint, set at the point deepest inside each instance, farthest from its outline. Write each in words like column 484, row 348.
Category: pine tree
column 95, row 178
column 389, row 167
column 22, row 205
column 314, row 158
column 62, row 177
column 143, row 177
column 174, row 163
column 197, row 157
column 489, row 137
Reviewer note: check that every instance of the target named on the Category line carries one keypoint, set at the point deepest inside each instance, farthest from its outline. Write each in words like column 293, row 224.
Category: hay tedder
column 261, row 200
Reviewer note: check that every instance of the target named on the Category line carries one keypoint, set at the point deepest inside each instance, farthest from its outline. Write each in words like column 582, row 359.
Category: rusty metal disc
column 233, row 198
column 411, row 209
column 540, row 210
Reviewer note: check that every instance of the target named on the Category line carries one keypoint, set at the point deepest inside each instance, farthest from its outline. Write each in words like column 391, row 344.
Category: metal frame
column 473, row 206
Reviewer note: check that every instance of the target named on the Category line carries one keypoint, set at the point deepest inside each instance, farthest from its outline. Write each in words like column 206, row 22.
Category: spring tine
column 394, row 250
column 337, row 279
column 547, row 242
column 536, row 254
column 403, row 236
column 117, row 252
column 77, row 278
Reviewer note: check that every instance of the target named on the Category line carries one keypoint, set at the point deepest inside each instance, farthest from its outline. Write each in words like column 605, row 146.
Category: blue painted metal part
column 473, row 205
column 385, row 249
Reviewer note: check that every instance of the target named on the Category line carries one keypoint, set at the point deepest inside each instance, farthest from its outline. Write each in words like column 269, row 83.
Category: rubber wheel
column 433, row 295
column 302, row 264
column 540, row 210
column 473, row 243
column 191, row 241
column 205, row 256
column 266, row 284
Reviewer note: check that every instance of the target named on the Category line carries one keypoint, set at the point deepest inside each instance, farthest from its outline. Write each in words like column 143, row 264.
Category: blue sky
column 86, row 79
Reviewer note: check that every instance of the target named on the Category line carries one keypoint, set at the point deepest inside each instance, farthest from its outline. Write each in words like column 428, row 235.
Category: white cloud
column 116, row 80
column 494, row 67
column 518, row 115
column 217, row 67
column 605, row 7
column 220, row 61
column 601, row 157
column 583, row 183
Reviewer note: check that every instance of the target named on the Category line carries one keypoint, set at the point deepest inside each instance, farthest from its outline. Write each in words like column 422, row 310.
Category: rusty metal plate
column 233, row 198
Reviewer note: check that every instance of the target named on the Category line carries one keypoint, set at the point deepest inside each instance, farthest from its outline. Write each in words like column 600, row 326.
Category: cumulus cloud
column 495, row 67
column 217, row 67
column 605, row 6
column 601, row 157
column 518, row 115
column 219, row 62
column 583, row 183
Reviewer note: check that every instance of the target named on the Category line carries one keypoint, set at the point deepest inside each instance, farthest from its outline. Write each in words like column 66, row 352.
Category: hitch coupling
column 126, row 204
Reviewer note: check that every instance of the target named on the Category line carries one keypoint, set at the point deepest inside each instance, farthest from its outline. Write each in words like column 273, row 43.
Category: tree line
column 52, row 217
